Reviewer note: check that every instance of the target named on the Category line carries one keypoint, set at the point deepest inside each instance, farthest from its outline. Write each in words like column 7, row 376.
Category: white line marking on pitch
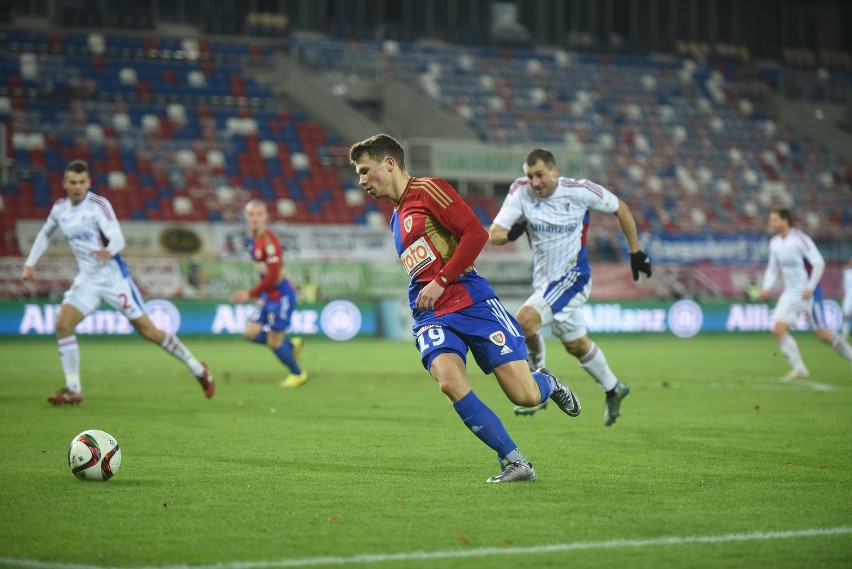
column 800, row 385
column 817, row 386
column 461, row 553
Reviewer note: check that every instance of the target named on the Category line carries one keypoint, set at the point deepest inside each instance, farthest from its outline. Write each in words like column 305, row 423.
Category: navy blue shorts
column 276, row 313
column 491, row 334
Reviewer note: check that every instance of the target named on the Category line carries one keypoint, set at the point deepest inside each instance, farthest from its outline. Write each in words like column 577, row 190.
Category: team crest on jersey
column 498, row 338
column 407, row 223
column 270, row 248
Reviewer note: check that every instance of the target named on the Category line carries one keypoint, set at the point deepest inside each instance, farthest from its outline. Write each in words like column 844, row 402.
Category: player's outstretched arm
column 499, row 235
column 628, row 226
column 241, row 297
column 639, row 261
column 39, row 247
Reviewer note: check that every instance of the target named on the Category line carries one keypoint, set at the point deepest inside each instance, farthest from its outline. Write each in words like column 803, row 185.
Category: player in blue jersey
column 438, row 237
column 275, row 296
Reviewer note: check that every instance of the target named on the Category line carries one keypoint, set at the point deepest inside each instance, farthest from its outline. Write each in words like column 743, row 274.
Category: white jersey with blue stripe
column 798, row 260
column 557, row 224
column 88, row 226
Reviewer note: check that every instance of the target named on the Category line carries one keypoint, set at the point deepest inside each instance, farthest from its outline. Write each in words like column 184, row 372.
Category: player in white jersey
column 796, row 257
column 554, row 212
column 92, row 230
column 847, row 299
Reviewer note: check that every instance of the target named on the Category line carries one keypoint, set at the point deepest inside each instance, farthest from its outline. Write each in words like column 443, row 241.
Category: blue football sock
column 545, row 385
column 285, row 354
column 260, row 338
column 484, row 424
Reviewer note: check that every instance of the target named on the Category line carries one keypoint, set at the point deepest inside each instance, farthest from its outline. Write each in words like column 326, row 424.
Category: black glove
column 517, row 230
column 640, row 262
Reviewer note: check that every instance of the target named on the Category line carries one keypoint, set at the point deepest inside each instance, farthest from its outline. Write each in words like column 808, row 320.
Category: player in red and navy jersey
column 438, row 237
column 275, row 296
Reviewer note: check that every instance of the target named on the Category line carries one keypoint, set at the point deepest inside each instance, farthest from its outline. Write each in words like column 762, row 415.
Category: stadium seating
column 684, row 143
column 172, row 129
column 176, row 129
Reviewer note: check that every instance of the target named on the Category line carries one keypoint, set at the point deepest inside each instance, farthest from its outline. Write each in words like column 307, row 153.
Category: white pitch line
column 458, row 554
column 800, row 385
column 816, row 386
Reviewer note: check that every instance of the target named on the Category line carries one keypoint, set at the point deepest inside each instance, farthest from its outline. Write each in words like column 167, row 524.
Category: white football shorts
column 567, row 324
column 123, row 295
column 791, row 306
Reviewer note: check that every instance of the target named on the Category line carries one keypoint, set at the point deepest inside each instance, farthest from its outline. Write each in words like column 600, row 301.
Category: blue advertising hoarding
column 723, row 249
column 342, row 319
column 336, row 319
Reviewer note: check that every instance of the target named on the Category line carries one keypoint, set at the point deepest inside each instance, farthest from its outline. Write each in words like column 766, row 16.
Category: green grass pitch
column 367, row 465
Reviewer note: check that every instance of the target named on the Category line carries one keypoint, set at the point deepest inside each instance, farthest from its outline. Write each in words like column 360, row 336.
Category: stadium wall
column 208, row 261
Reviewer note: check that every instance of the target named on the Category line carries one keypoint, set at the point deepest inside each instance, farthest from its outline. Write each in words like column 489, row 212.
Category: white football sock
column 841, row 346
column 69, row 355
column 175, row 347
column 536, row 351
column 594, row 362
column 516, row 456
column 790, row 349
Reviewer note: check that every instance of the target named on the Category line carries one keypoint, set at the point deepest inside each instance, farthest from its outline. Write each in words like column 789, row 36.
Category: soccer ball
column 94, row 455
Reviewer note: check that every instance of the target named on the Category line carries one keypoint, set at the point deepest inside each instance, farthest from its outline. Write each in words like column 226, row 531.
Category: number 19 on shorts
column 430, row 338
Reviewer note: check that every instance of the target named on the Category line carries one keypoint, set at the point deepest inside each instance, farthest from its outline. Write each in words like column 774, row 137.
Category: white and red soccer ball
column 94, row 455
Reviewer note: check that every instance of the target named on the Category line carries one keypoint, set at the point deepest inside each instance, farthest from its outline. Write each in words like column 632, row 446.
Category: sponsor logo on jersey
column 407, row 223
column 505, row 350
column 84, row 236
column 549, row 228
column 498, row 338
column 417, row 257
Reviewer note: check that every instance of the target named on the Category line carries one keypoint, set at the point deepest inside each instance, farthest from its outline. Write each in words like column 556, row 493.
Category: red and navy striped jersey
column 268, row 259
column 438, row 237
